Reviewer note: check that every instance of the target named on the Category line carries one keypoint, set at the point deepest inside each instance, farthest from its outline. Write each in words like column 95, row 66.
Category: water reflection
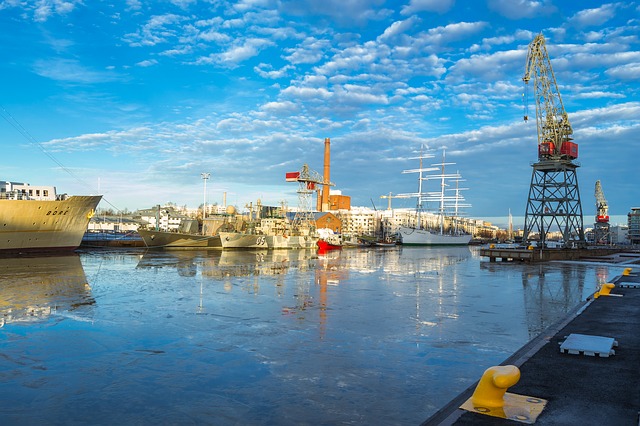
column 550, row 290
column 227, row 263
column 32, row 288
column 381, row 336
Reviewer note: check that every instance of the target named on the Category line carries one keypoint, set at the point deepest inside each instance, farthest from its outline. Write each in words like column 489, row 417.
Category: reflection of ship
column 34, row 218
column 417, row 235
column 228, row 263
column 35, row 287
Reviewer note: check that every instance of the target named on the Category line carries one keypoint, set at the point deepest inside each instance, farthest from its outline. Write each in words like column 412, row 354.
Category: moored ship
column 178, row 240
column 186, row 237
column 416, row 234
column 36, row 219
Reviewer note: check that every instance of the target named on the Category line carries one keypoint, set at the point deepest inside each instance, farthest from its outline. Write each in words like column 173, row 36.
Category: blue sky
column 136, row 99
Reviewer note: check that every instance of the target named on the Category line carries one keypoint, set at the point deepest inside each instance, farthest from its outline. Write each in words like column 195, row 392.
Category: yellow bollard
column 627, row 272
column 492, row 386
column 605, row 289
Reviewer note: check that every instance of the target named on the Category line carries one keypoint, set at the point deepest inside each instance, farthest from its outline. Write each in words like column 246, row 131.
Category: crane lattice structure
column 309, row 182
column 601, row 234
column 554, row 197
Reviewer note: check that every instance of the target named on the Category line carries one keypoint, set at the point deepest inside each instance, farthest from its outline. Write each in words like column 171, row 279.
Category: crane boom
column 554, row 129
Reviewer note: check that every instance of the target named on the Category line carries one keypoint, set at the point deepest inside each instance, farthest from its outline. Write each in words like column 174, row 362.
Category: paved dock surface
column 580, row 389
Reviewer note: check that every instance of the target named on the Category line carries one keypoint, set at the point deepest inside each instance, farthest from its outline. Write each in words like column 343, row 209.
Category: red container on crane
column 569, row 149
column 546, row 149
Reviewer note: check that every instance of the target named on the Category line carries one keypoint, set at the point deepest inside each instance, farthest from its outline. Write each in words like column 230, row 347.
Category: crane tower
column 601, row 226
column 308, row 183
column 554, row 197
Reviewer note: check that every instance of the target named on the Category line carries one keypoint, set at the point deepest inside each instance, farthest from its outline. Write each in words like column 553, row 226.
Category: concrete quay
column 580, row 387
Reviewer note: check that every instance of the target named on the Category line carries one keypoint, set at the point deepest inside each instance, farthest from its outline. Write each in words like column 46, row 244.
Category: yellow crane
column 554, row 129
column 554, row 198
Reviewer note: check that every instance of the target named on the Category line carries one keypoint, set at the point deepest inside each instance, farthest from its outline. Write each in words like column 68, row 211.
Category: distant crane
column 309, row 181
column 390, row 197
column 601, row 233
column 554, row 196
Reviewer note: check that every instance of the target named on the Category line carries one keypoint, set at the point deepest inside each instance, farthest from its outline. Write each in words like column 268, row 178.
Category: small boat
column 328, row 240
column 326, row 245
column 357, row 242
column 387, row 242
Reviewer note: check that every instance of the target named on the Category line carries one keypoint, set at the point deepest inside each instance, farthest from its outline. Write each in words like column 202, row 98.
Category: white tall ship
column 438, row 235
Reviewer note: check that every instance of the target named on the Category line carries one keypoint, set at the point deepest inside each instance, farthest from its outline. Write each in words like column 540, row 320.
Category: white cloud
column 307, row 93
column 519, row 9
column 158, row 29
column 310, row 51
column 241, row 52
column 594, row 17
column 398, row 28
column 508, row 64
column 147, row 63
column 416, row 6
column 597, row 94
column 71, row 71
column 629, row 71
column 267, row 71
column 279, row 108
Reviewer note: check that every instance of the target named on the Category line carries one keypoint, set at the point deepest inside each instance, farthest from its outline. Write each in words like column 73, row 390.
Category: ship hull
column 291, row 242
column 325, row 245
column 423, row 237
column 238, row 240
column 179, row 240
column 42, row 226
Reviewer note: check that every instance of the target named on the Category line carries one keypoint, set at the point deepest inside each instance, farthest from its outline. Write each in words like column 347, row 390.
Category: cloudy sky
column 135, row 99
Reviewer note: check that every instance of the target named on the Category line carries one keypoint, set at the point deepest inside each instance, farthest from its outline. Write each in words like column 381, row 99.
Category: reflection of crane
column 554, row 197
column 601, row 227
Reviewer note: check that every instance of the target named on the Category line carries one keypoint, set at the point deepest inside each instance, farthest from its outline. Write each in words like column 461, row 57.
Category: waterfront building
column 166, row 218
column 112, row 224
column 619, row 234
column 326, row 220
column 633, row 222
column 21, row 191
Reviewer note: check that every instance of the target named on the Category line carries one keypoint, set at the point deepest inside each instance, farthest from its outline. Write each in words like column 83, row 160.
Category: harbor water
column 354, row 336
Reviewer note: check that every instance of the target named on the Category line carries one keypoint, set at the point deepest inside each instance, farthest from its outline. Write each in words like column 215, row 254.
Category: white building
column 165, row 218
column 619, row 234
column 20, row 191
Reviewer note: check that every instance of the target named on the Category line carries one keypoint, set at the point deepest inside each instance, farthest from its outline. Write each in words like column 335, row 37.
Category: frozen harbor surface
column 371, row 336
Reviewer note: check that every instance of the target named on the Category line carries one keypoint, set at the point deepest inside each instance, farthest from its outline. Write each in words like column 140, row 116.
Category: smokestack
column 327, row 175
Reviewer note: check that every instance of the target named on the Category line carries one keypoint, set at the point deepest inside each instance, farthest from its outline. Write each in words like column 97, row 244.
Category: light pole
column 204, row 177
